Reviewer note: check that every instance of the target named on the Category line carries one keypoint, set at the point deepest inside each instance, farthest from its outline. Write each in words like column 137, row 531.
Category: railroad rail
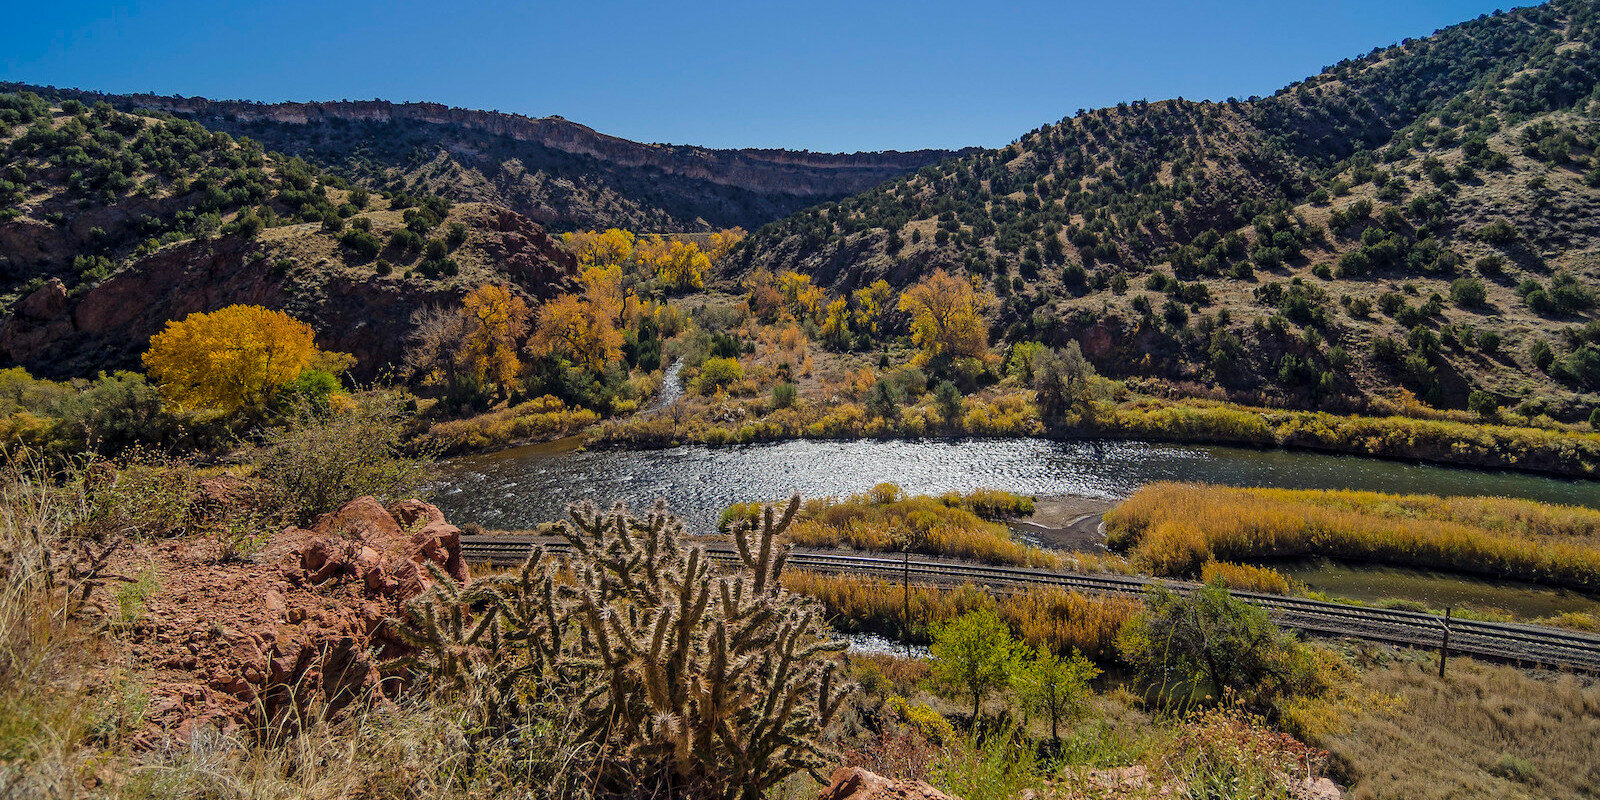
column 1534, row 645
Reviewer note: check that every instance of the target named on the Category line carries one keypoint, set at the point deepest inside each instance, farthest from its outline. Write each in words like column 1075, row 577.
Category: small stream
column 671, row 388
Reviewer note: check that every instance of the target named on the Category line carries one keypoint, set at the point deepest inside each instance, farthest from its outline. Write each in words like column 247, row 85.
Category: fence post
column 1444, row 642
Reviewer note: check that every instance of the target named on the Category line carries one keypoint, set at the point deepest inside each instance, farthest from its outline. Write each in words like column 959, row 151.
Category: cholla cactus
column 720, row 682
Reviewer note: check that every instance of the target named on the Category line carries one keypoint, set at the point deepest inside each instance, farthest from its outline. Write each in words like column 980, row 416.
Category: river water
column 521, row 487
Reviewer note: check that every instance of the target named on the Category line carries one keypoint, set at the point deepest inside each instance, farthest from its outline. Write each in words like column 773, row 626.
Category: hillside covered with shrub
column 561, row 174
column 1421, row 216
column 113, row 224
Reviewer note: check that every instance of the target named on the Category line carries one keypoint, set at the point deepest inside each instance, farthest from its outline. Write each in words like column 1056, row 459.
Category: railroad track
column 1533, row 645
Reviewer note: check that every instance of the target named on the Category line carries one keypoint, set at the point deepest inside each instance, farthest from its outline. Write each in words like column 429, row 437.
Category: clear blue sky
column 822, row 75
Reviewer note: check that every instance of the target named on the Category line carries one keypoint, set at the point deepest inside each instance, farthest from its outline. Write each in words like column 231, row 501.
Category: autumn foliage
column 234, row 357
column 498, row 321
column 580, row 331
column 946, row 317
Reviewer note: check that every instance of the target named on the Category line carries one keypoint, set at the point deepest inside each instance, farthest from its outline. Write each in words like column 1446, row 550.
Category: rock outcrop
column 300, row 626
column 855, row 783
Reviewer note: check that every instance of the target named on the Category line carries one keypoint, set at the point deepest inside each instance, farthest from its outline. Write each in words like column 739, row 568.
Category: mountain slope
column 1319, row 246
column 559, row 173
column 112, row 223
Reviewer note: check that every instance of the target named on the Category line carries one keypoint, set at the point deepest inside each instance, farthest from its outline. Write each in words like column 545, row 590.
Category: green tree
column 1483, row 404
column 883, row 400
column 1056, row 686
column 1061, row 381
column 1211, row 642
column 973, row 654
column 948, row 399
column 1468, row 292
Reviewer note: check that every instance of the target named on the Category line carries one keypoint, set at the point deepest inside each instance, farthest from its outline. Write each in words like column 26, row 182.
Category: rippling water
column 521, row 487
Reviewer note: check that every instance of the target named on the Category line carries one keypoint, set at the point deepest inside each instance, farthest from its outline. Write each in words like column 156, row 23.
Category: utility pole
column 1444, row 642
column 905, row 560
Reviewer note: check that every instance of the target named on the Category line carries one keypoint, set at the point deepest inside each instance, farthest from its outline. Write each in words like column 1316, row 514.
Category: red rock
column 854, row 783
column 228, row 642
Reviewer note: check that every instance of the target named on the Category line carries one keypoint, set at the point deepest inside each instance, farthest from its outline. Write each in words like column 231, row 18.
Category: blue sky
column 820, row 75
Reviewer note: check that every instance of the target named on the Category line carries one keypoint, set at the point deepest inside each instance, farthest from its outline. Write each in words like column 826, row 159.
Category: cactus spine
column 719, row 685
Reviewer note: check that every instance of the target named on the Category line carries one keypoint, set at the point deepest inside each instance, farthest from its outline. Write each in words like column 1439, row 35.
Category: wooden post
column 1444, row 642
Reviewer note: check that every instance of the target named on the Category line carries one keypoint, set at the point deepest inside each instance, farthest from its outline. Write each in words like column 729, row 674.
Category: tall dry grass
column 1484, row 731
column 1175, row 529
column 46, row 706
column 1064, row 621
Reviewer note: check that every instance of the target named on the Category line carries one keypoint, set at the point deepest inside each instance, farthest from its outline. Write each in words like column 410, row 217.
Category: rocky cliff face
column 800, row 173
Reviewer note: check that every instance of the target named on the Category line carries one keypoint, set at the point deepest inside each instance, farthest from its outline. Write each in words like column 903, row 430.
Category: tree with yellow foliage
column 723, row 242
column 804, row 299
column 946, row 318
column 836, row 327
column 683, row 266
column 235, row 357
column 571, row 327
column 498, row 320
column 611, row 247
column 872, row 304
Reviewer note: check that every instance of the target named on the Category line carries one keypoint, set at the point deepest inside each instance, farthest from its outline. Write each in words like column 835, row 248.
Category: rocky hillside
column 559, row 173
column 113, row 223
column 1421, row 216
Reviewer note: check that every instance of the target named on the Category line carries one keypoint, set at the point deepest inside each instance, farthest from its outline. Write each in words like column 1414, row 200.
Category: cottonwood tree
column 436, row 353
column 498, row 321
column 973, row 654
column 573, row 328
column 1061, row 381
column 235, row 357
column 946, row 318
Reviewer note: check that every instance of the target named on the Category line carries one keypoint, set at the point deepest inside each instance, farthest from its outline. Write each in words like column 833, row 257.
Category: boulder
column 854, row 783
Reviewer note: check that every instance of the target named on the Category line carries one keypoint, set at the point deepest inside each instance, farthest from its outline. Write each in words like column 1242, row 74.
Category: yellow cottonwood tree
column 498, row 320
column 609, row 247
column 683, row 266
column 872, row 302
column 946, row 317
column 232, row 358
column 572, row 327
column 723, row 241
column 803, row 298
column 836, row 328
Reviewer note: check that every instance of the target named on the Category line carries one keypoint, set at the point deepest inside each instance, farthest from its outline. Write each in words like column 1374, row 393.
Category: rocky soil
column 302, row 623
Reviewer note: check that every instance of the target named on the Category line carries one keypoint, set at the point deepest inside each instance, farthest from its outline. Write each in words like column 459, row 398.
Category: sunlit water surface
column 521, row 487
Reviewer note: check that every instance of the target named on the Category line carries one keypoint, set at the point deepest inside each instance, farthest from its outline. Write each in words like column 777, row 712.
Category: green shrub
column 318, row 461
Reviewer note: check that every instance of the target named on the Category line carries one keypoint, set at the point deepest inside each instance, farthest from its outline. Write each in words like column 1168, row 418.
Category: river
column 521, row 487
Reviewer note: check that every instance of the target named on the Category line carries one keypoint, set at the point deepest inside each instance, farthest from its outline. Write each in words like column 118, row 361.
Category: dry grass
column 1175, row 529
column 887, row 520
column 1064, row 621
column 1485, row 731
column 1247, row 578
column 539, row 419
